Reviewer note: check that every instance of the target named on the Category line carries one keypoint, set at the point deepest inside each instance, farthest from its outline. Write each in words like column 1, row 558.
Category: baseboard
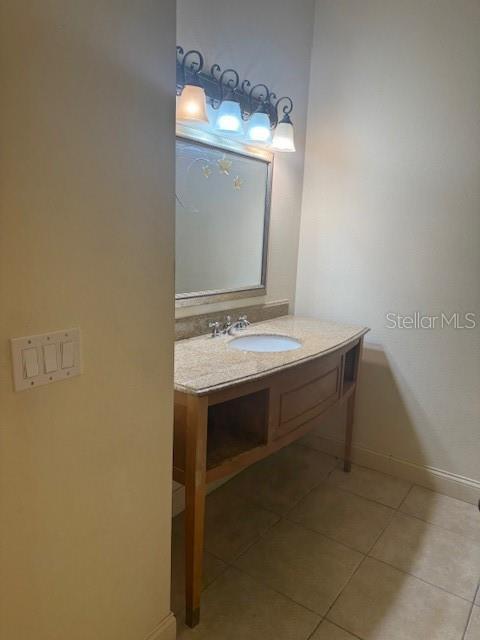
column 166, row 630
column 450, row 484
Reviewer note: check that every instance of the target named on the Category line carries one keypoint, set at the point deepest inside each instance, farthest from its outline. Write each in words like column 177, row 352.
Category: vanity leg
column 347, row 464
column 195, row 485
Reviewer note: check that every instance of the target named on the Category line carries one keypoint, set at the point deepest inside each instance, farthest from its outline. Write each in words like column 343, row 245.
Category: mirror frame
column 240, row 148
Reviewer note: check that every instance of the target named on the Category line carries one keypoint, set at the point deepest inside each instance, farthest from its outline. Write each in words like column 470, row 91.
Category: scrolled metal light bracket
column 226, row 85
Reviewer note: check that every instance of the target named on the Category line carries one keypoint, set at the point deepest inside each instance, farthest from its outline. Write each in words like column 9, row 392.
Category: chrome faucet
column 215, row 327
column 242, row 321
column 228, row 326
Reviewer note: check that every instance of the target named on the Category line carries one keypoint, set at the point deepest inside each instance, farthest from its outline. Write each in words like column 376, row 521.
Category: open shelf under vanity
column 236, row 427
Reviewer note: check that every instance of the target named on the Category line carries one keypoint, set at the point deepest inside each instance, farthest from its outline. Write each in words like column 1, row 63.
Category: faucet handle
column 243, row 320
column 215, row 327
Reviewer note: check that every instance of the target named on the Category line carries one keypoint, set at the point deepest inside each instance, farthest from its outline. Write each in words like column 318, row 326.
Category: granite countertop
column 205, row 364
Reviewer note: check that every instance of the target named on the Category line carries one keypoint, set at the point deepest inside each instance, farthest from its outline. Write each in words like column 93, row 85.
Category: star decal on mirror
column 224, row 164
column 207, row 170
column 237, row 183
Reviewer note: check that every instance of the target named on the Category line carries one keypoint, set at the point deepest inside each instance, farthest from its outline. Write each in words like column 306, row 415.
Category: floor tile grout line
column 445, row 495
column 412, row 575
column 323, row 479
column 252, row 543
column 358, row 495
column 317, row 485
column 220, row 574
column 440, row 526
column 335, row 624
column 270, row 510
column 315, row 630
column 469, row 617
column 355, row 572
column 342, row 490
column 354, row 635
column 407, row 482
column 215, row 555
column 470, row 613
column 406, row 496
column 231, row 565
column 325, row 535
column 280, row 593
column 369, row 555
column 257, row 504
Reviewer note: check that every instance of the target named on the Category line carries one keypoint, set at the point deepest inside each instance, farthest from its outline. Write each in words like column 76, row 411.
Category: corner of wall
column 166, row 630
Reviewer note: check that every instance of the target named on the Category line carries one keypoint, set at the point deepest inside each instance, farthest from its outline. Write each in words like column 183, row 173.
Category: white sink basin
column 265, row 343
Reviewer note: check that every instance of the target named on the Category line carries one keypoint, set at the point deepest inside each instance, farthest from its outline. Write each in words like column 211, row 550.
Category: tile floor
column 297, row 550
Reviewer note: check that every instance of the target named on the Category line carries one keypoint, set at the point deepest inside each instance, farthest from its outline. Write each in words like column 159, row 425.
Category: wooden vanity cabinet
column 304, row 392
column 221, row 432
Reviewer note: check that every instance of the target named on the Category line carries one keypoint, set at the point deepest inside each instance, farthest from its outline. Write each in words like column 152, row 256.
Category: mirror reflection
column 222, row 207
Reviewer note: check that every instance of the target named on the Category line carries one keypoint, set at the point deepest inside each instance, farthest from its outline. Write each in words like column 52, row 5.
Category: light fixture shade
column 283, row 137
column 192, row 105
column 259, row 129
column 229, row 117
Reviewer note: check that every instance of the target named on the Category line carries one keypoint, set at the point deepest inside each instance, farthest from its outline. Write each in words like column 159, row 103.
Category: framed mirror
column 223, row 191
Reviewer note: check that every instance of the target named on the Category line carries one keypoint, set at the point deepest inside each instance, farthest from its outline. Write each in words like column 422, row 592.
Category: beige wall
column 391, row 220
column 268, row 42
column 86, row 239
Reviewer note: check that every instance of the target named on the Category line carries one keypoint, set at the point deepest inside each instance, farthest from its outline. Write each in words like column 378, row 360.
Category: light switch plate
column 47, row 345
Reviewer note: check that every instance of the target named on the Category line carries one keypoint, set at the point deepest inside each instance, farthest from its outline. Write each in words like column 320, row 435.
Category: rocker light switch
column 68, row 355
column 50, row 357
column 30, row 363
column 45, row 358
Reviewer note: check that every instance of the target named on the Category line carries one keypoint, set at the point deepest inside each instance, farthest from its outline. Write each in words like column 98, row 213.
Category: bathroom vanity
column 234, row 407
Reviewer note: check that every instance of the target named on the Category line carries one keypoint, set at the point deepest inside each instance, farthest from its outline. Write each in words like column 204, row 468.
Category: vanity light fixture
column 259, row 128
column 231, row 103
column 229, row 116
column 192, row 101
column 283, row 139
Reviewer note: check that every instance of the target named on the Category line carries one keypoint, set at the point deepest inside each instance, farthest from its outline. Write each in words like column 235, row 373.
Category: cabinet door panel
column 304, row 394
